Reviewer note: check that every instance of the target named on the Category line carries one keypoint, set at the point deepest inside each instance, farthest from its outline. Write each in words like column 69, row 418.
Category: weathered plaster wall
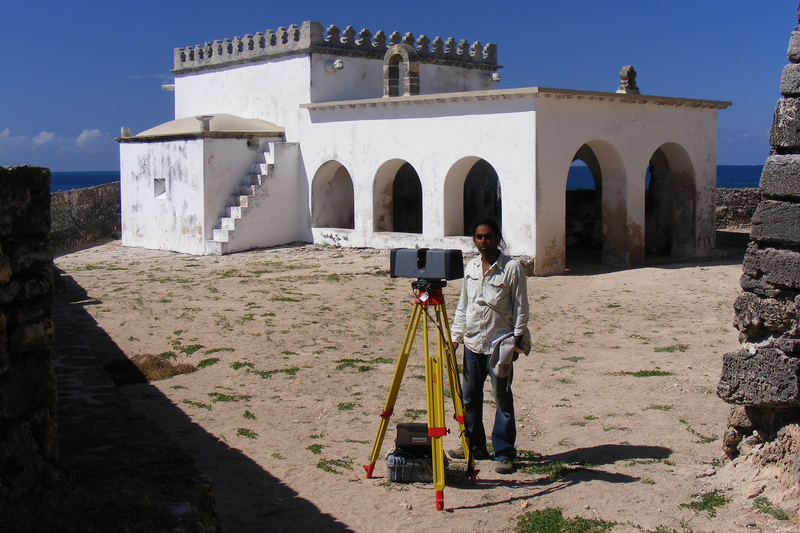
column 28, row 437
column 175, row 218
column 84, row 215
column 624, row 137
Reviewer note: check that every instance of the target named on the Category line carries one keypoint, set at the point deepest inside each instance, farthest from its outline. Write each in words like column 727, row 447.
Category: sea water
column 728, row 177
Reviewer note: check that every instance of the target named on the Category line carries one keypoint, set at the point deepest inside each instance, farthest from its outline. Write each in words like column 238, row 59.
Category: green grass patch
column 208, row 362
column 219, row 397
column 413, row 414
column 316, row 449
column 347, row 406
column 658, row 407
column 361, row 365
column 248, row 415
column 551, row 520
column 765, row 506
column 198, row 404
column 335, row 465
column 236, row 365
column 634, row 462
column 167, row 355
column 573, row 359
column 249, row 433
column 217, row 350
column 702, row 438
column 707, row 502
column 643, row 373
column 552, row 470
column 284, row 299
column 264, row 374
column 188, row 350
column 671, row 348
column 648, row 481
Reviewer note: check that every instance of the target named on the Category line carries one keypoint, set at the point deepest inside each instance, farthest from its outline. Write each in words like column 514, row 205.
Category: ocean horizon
column 728, row 177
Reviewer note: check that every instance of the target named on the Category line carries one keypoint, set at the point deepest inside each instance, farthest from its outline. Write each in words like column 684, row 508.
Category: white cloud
column 5, row 134
column 43, row 138
column 89, row 136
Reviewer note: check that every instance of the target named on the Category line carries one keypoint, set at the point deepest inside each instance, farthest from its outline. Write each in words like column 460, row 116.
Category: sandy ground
column 297, row 348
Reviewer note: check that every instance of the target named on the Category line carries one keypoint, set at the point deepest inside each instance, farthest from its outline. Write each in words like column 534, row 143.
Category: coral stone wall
column 762, row 378
column 28, row 439
column 84, row 215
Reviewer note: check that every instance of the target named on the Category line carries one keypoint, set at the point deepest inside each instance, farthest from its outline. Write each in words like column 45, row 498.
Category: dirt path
column 297, row 349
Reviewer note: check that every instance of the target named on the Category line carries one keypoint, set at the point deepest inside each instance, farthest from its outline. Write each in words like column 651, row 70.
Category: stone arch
column 670, row 203
column 584, row 207
column 471, row 192
column 609, row 202
column 332, row 199
column 397, row 198
column 397, row 55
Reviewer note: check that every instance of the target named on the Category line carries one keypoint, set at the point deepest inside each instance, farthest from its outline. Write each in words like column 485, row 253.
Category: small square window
column 159, row 187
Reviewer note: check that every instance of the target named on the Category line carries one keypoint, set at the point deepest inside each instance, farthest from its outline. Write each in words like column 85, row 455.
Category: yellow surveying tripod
column 429, row 293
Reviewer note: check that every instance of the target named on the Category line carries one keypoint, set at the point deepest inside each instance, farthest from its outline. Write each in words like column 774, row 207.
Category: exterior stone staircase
column 240, row 203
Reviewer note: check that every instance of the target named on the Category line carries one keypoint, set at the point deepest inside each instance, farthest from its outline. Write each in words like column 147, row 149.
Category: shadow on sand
column 248, row 498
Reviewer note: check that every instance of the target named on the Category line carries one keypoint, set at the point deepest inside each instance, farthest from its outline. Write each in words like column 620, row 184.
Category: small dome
column 220, row 123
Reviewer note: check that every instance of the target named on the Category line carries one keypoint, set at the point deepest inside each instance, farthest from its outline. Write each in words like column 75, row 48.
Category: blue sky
column 73, row 72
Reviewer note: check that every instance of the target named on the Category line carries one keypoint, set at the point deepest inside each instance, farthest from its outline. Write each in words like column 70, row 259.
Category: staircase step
column 248, row 190
column 227, row 223
column 235, row 211
column 220, row 235
column 240, row 201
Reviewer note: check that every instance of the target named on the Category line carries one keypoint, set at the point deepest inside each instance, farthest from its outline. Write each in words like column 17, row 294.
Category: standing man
column 493, row 304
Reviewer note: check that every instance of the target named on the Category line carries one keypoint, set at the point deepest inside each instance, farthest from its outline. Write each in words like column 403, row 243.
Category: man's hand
column 455, row 346
column 517, row 344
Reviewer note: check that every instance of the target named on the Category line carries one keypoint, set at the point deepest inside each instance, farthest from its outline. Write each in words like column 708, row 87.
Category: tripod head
column 425, row 285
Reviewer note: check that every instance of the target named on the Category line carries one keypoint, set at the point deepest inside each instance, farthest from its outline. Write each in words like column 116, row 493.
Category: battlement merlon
column 311, row 37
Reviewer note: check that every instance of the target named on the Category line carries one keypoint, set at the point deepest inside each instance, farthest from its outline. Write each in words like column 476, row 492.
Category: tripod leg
column 435, row 400
column 397, row 379
column 455, row 390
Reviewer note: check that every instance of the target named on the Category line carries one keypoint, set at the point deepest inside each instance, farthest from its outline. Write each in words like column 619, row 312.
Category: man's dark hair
column 493, row 225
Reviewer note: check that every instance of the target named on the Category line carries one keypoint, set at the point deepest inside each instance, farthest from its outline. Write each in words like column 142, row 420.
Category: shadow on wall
column 248, row 498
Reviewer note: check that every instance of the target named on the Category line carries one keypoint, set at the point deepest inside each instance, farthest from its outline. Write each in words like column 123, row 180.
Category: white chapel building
column 328, row 136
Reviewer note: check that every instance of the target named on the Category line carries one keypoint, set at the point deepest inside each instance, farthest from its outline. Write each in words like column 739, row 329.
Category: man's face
column 486, row 241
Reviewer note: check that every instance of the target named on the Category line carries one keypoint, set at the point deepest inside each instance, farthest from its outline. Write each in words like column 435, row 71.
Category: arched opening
column 332, row 201
column 670, row 198
column 471, row 192
column 596, row 225
column 397, row 198
column 583, row 215
column 393, row 74
column 482, row 198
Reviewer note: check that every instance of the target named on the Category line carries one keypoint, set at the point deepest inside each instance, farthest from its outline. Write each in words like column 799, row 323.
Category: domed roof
column 219, row 125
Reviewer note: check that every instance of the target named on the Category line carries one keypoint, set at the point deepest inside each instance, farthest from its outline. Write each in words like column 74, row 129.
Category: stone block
column 758, row 317
column 759, row 377
column 785, row 132
column 793, row 53
column 26, row 196
column 790, row 80
column 30, row 336
column 776, row 222
column 768, row 268
column 25, row 387
column 780, row 177
column 759, row 286
column 24, row 254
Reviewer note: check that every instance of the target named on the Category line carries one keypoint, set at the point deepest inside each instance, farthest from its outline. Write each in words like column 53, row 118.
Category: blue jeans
column 504, row 433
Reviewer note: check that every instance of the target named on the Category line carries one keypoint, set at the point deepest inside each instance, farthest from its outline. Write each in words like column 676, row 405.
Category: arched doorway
column 397, row 198
column 596, row 221
column 471, row 192
column 332, row 201
column 670, row 199
column 583, row 215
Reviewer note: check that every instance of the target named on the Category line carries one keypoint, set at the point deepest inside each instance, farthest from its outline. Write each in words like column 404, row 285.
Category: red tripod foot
column 439, row 500
column 369, row 468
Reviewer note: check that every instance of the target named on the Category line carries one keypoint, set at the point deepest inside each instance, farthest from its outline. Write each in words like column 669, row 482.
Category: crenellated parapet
column 311, row 37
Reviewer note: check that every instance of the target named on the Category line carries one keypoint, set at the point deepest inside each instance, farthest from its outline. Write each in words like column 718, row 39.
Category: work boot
column 505, row 465
column 477, row 453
